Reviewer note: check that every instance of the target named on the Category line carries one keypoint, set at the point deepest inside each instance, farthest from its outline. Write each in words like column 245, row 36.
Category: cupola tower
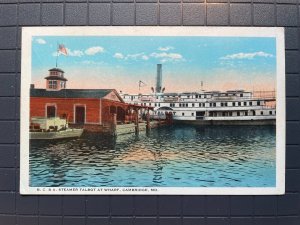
column 56, row 80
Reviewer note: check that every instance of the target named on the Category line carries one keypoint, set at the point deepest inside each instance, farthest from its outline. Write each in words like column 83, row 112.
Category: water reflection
column 216, row 156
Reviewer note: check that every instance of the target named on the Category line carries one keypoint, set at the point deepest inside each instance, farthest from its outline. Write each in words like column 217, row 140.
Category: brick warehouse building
column 83, row 107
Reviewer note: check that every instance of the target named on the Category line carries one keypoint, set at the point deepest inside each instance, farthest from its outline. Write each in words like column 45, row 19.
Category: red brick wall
column 37, row 107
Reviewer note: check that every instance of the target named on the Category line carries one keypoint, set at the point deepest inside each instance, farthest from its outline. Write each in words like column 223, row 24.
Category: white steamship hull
column 244, row 122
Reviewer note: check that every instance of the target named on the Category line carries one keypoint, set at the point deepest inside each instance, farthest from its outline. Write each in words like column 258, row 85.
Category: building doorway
column 79, row 114
column 200, row 115
column 120, row 114
column 51, row 111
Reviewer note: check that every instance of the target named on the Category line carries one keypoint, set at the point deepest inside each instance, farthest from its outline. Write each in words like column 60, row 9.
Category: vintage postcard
column 153, row 110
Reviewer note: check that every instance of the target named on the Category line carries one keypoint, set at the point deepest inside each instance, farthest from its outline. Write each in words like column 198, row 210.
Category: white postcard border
column 277, row 32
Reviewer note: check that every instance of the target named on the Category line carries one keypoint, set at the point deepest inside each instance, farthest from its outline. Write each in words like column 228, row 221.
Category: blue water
column 174, row 156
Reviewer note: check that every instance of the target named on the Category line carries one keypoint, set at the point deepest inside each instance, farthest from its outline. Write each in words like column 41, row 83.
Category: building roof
column 56, row 69
column 73, row 93
column 55, row 78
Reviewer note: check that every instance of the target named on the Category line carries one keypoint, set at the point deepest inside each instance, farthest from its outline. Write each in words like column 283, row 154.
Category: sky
column 120, row 62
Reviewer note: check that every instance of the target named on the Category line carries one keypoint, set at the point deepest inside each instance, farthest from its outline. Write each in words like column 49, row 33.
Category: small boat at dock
column 52, row 128
column 67, row 133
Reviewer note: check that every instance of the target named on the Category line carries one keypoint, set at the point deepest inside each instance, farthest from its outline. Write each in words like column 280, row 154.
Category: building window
column 270, row 112
column 182, row 114
column 258, row 102
column 241, row 95
column 250, row 103
column 193, row 105
column 186, row 105
column 233, row 104
column 225, row 103
column 261, row 113
column 245, row 103
column 238, row 114
column 246, row 113
column 215, row 104
column 155, row 104
column 223, row 113
column 230, row 113
column 222, row 104
column 51, row 111
column 192, row 114
column 52, row 84
column 239, row 103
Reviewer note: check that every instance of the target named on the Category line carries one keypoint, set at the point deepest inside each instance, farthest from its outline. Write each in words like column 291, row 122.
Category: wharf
column 120, row 129
column 131, row 127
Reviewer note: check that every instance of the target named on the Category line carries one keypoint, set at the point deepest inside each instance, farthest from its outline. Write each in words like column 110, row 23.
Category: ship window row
column 211, row 104
column 150, row 104
column 225, row 114
column 131, row 97
column 215, row 104
column 251, row 113
column 195, row 96
column 225, row 104
column 186, row 96
column 216, row 95
column 183, row 114
column 234, row 113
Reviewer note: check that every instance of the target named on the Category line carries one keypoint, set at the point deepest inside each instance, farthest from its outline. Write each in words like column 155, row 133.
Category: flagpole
column 57, row 55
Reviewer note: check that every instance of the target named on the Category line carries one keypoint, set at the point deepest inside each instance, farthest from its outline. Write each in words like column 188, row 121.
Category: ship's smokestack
column 158, row 87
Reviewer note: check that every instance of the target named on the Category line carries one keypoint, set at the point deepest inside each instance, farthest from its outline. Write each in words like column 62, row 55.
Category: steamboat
column 231, row 107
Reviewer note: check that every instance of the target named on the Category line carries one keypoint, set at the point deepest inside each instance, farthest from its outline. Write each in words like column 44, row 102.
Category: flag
column 62, row 49
column 142, row 84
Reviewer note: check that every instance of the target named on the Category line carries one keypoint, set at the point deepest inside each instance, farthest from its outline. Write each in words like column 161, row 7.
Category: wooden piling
column 137, row 128
column 114, row 125
column 148, row 126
